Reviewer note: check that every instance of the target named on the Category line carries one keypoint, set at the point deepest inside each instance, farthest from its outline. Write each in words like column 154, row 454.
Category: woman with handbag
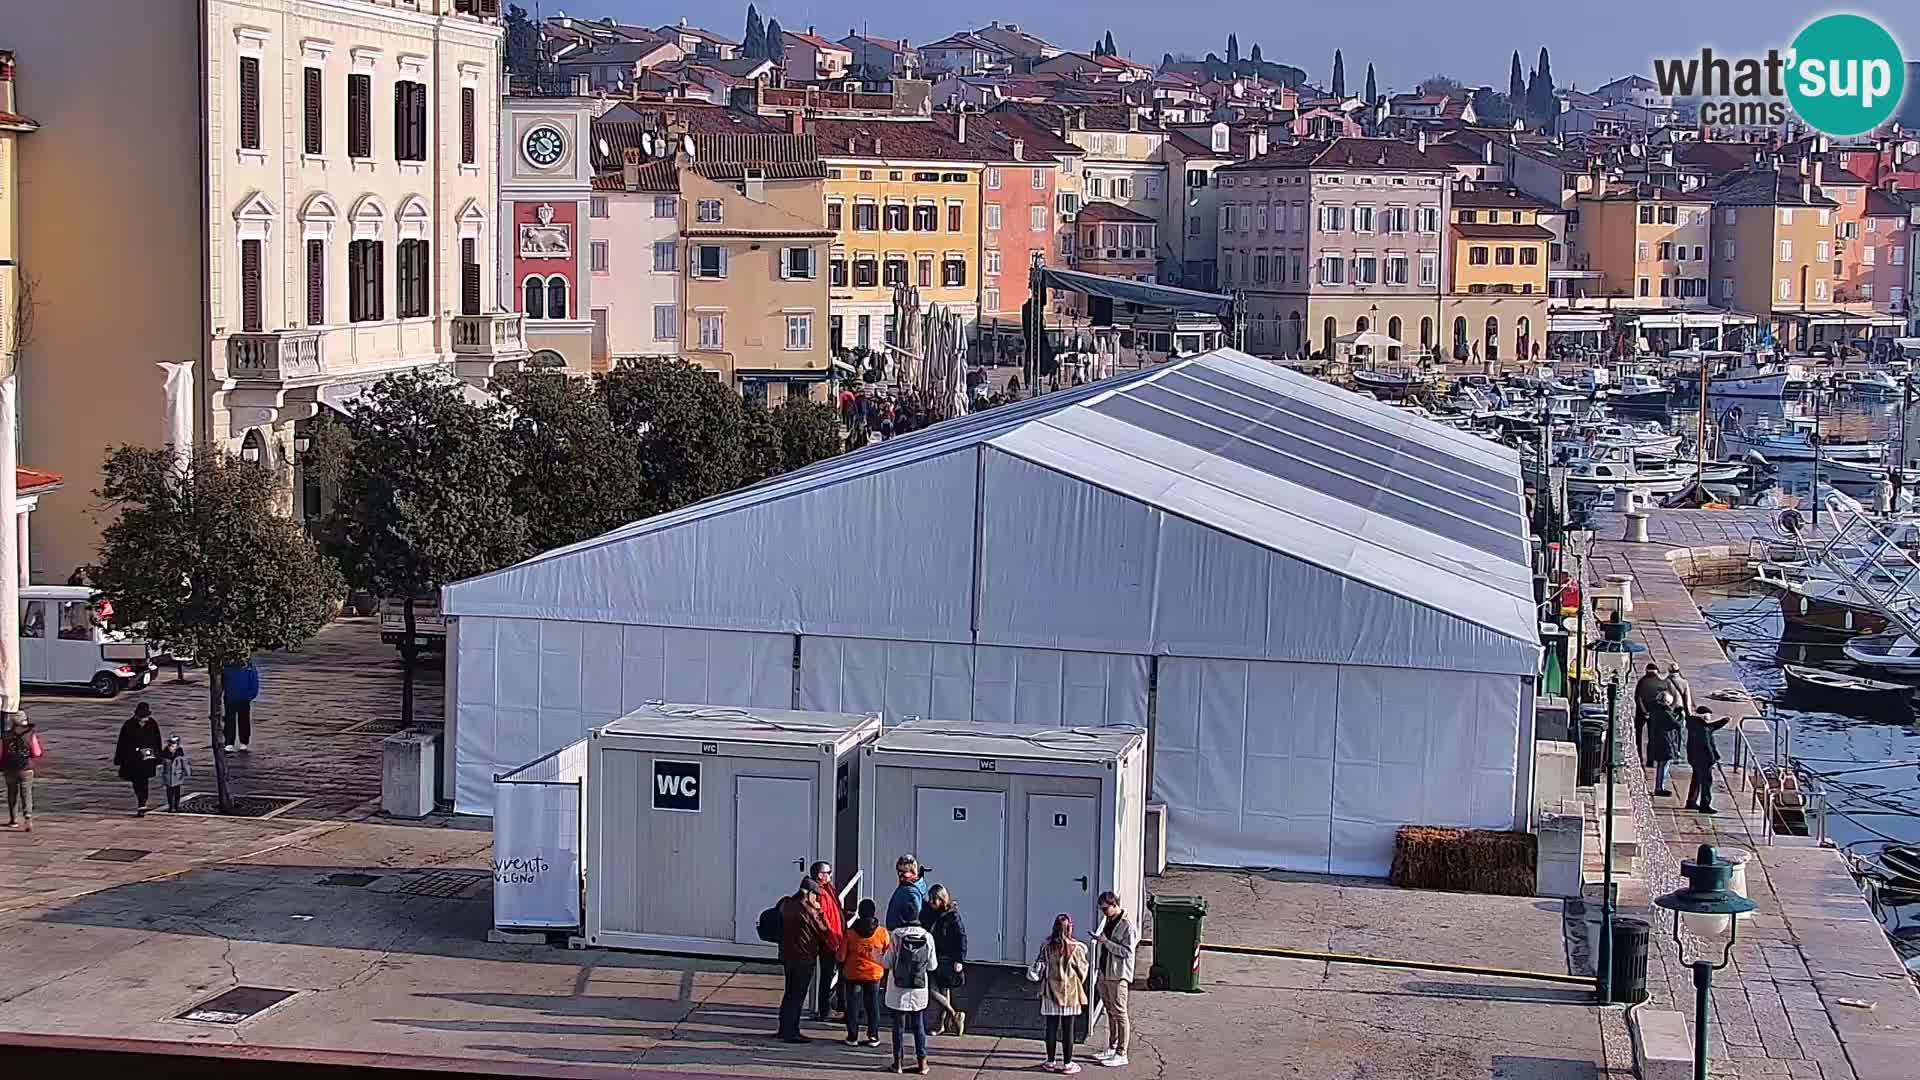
column 19, row 749
column 1061, row 971
column 137, row 753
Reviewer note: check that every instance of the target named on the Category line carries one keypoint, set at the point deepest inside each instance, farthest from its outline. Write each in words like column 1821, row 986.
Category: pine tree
column 1545, row 107
column 755, row 45
column 1233, row 49
column 776, row 42
column 1111, row 51
column 1339, row 75
column 1373, row 92
column 1517, row 87
column 1255, row 55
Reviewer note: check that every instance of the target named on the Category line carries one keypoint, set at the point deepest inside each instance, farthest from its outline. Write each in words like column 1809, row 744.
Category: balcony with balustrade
column 484, row 345
column 276, row 357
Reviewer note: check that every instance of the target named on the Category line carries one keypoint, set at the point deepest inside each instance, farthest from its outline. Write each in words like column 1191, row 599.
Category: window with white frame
column 1153, row 187
column 796, row 263
column 1428, row 218
column 1866, row 290
column 713, row 331
column 1786, row 288
column 1366, row 269
column 1896, row 255
column 990, row 261
column 1866, row 253
column 1894, row 295
column 1097, row 187
column 1332, row 269
column 800, row 332
column 1260, row 218
column 990, row 298
column 597, row 206
column 1820, row 288
column 1037, row 218
column 1396, row 269
column 1039, row 179
column 993, row 215
column 707, row 212
column 1363, row 219
column 1786, row 215
column 1122, row 187
column 664, row 206
column 710, row 261
column 1726, row 249
column 1429, row 268
column 665, row 257
column 1786, row 251
column 993, row 179
column 598, row 252
column 666, row 322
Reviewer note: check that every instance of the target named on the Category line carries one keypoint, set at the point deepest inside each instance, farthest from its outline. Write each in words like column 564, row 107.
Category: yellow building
column 903, row 202
column 1772, row 249
column 1495, row 309
column 1650, row 244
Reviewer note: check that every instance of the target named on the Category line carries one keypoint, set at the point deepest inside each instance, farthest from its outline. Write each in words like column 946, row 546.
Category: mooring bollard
column 1636, row 527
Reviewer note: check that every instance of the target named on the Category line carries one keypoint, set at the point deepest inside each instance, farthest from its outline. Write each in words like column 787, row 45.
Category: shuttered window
column 410, row 121
column 366, row 273
column 411, row 280
column 469, row 106
column 315, row 142
column 316, row 282
column 251, row 319
column 469, row 276
column 360, row 116
column 250, row 102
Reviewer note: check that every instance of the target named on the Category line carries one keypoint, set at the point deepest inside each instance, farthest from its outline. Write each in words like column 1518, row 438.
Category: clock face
column 545, row 145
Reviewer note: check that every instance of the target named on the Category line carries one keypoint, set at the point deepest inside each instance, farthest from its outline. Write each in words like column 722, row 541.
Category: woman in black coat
column 1702, row 756
column 941, row 917
column 137, row 754
column 1663, row 734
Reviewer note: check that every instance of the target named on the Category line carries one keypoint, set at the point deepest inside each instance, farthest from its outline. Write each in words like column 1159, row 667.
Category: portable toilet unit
column 1020, row 823
column 702, row 816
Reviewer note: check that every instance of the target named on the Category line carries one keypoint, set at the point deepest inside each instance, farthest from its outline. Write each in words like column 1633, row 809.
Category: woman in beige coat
column 1061, row 971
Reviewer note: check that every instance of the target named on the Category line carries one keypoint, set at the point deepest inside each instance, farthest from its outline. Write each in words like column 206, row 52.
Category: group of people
column 140, row 753
column 914, row 960
column 871, row 415
column 1666, row 721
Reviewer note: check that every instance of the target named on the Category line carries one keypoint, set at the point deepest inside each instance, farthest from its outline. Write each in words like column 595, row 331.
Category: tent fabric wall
column 526, row 687
column 1313, row 767
column 982, row 685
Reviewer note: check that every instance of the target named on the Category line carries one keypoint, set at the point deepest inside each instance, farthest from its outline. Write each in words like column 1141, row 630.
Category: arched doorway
column 1493, row 340
column 1296, row 333
column 1393, row 331
column 1524, row 332
column 1460, row 337
column 1426, row 333
column 1327, row 336
column 1362, row 324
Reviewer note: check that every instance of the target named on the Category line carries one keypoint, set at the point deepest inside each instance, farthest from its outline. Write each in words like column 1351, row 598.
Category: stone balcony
column 278, row 356
column 486, row 345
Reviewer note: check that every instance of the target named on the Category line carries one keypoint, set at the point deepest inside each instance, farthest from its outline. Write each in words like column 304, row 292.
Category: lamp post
column 1707, row 892
column 1579, row 541
column 1615, row 654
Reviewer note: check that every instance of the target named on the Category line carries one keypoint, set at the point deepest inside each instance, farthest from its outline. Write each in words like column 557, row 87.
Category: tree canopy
column 1440, row 86
column 574, row 476
column 523, row 57
column 1373, row 91
column 754, row 43
column 1233, row 49
column 1516, row 82
column 1107, row 44
column 776, row 42
column 1339, row 75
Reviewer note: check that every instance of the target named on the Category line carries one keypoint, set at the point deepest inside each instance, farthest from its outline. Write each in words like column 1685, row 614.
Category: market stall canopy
column 1367, row 339
column 1144, row 293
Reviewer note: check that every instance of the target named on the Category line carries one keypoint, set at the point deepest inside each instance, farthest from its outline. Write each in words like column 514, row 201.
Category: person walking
column 18, row 750
column 941, row 917
column 175, row 771
column 1118, row 940
column 1644, row 692
column 240, row 684
column 801, row 933
column 137, row 753
column 1061, row 971
column 1663, row 728
column 909, row 896
column 836, row 933
column 1702, row 756
column 861, row 972
column 1682, row 693
column 910, row 960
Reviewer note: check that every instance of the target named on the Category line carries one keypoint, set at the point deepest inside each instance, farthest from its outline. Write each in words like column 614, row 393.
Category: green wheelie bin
column 1176, row 942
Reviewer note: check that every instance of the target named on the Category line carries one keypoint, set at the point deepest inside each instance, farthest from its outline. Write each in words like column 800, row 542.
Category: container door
column 773, row 842
column 1062, row 861
column 34, row 649
column 961, row 837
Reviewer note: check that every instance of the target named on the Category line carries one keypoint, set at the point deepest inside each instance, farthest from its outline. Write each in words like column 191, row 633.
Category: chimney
column 755, row 186
column 1420, row 140
column 1806, row 191
column 1819, row 171
column 630, row 170
column 1133, row 120
column 796, row 123
column 1486, row 152
column 960, row 125
column 876, row 144
column 1019, row 149
column 1804, row 165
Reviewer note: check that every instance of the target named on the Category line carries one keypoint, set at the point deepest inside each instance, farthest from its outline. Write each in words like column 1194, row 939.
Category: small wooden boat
column 1891, row 651
column 1902, row 864
column 1389, row 384
column 1832, row 691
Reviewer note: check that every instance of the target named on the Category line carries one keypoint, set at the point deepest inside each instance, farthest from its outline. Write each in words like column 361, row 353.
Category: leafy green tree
column 574, row 477
column 198, row 556
column 426, row 497
column 762, row 454
column 776, row 42
column 755, row 44
column 809, row 432
column 686, row 426
column 1339, row 75
column 523, row 55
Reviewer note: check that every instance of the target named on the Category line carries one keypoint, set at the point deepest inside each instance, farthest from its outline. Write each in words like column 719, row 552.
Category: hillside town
column 549, row 545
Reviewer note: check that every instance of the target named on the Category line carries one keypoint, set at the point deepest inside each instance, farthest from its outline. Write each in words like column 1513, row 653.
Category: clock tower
column 546, row 179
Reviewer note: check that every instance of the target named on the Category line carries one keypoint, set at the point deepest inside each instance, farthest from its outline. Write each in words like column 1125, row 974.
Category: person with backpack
column 801, row 935
column 942, row 919
column 1061, row 971
column 19, row 749
column 861, row 972
column 910, row 960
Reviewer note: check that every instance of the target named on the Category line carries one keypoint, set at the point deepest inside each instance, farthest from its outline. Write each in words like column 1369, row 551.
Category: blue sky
column 1406, row 40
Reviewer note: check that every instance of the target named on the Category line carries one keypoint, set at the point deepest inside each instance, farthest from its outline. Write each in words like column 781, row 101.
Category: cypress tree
column 1339, row 75
column 1372, row 93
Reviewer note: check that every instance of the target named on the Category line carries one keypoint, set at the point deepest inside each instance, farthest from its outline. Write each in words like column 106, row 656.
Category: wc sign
column 676, row 786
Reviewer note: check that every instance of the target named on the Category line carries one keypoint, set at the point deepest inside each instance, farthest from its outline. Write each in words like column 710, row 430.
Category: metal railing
column 1775, row 788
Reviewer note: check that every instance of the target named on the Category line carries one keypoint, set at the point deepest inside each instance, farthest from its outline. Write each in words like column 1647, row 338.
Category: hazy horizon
column 1405, row 41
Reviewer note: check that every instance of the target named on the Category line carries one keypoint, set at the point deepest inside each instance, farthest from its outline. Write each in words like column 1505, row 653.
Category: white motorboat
column 1639, row 390
column 1874, row 385
column 1854, row 472
column 1887, row 652
column 1744, row 375
column 1794, row 440
column 1593, row 477
column 1645, row 440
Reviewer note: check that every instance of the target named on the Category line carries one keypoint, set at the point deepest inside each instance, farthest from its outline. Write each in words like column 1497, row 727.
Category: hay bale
column 1464, row 860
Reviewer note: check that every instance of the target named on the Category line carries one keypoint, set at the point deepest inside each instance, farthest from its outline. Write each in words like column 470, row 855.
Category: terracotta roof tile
column 1388, row 154
column 1106, row 211
column 896, row 140
column 1475, row 231
column 28, row 481
column 1499, row 198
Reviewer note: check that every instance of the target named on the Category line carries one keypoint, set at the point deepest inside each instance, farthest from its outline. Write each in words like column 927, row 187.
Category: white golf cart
column 65, row 642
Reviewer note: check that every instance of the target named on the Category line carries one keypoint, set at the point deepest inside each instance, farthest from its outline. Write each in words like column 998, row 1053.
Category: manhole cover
column 243, row 805
column 446, row 884
column 351, row 881
column 119, row 854
column 237, row 1004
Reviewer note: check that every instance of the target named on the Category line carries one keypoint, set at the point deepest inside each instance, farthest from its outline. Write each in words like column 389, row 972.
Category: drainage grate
column 255, row 806
column 351, row 881
column 119, row 854
column 446, row 884
column 376, row 727
column 238, row 1004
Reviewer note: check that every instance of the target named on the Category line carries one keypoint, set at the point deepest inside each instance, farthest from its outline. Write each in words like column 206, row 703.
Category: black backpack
column 912, row 960
column 770, row 925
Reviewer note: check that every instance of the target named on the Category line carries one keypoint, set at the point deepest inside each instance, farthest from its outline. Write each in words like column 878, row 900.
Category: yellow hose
column 1383, row 961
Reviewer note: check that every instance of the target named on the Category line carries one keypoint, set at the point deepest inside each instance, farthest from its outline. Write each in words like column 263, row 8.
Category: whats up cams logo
column 1843, row 75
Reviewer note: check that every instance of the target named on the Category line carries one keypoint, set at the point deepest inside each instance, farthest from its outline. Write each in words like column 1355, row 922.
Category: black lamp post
column 1708, row 892
column 1615, row 658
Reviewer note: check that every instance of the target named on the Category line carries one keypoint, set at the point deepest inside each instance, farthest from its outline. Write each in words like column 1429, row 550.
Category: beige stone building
column 1772, row 249
column 281, row 200
column 1650, row 244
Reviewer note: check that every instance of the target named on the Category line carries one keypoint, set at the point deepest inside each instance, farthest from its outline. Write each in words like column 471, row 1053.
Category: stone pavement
column 1778, row 1009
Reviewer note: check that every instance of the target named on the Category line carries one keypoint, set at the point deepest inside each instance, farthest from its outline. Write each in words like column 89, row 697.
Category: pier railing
column 1763, row 766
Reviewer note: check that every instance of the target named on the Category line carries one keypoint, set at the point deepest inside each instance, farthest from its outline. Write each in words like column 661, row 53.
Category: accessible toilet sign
column 676, row 786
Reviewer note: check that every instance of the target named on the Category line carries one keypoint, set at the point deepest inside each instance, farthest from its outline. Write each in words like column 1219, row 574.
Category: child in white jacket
column 175, row 771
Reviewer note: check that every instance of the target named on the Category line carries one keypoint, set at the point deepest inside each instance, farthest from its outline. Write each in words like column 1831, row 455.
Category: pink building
column 1884, row 244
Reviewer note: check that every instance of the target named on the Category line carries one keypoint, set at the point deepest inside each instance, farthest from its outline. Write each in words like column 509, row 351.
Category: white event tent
column 1319, row 605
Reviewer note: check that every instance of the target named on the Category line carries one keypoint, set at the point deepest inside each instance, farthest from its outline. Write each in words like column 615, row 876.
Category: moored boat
column 1829, row 605
column 1833, row 691
column 1890, row 651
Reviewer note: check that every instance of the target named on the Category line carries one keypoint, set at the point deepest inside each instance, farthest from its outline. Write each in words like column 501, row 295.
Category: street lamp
column 1614, row 658
column 1579, row 542
column 1708, row 892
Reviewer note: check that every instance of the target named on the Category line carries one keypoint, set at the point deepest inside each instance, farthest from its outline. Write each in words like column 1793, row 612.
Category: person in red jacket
column 834, row 940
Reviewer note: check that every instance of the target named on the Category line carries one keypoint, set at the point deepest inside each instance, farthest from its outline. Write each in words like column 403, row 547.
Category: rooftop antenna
column 646, row 143
column 605, row 150
column 686, row 143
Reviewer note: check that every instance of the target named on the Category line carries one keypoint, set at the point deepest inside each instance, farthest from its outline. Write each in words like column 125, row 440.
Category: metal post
column 1606, row 856
column 1702, row 987
column 1816, row 460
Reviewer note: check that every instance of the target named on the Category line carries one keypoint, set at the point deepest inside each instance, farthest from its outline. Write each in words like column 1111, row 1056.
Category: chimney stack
column 1420, row 140
column 796, row 123
column 630, row 169
column 1806, row 191
column 960, row 125
column 1819, row 171
column 1019, row 149
column 1486, row 152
